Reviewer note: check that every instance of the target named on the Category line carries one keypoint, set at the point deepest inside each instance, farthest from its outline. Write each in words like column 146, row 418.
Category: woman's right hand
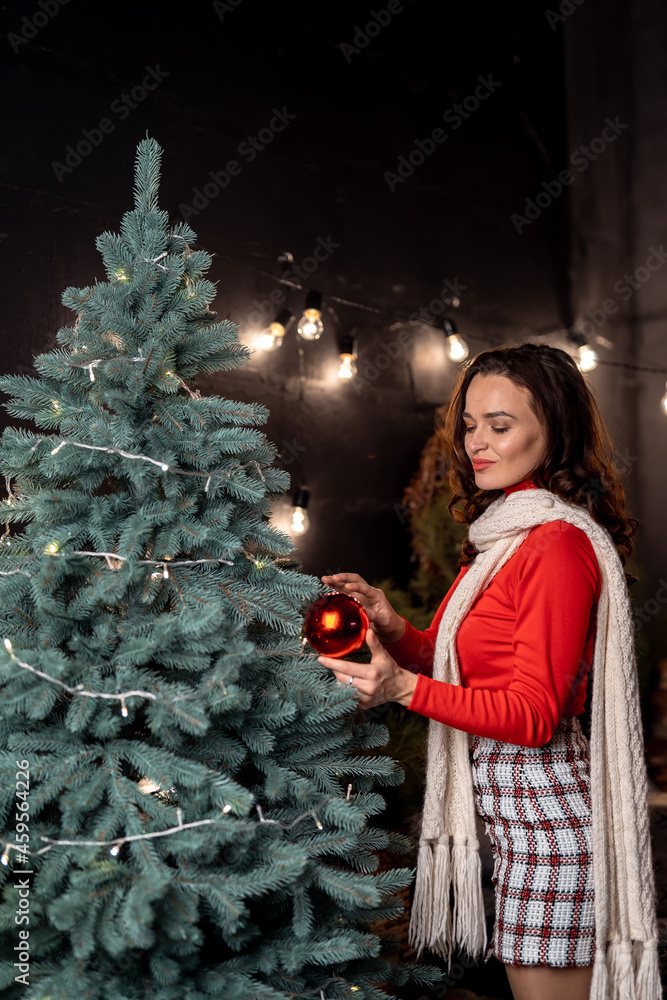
column 385, row 622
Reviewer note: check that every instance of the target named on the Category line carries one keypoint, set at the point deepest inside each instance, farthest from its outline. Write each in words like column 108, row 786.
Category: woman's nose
column 477, row 441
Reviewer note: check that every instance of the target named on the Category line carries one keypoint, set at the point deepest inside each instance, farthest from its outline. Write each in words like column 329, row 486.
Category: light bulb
column 588, row 359
column 458, row 349
column 120, row 274
column 300, row 521
column 51, row 549
column 8, row 645
column 123, row 708
column 114, row 850
column 272, row 336
column 5, row 856
column 663, row 402
column 348, row 366
column 310, row 325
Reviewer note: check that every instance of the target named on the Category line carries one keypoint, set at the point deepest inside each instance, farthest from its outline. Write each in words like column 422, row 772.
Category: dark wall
column 618, row 226
column 322, row 178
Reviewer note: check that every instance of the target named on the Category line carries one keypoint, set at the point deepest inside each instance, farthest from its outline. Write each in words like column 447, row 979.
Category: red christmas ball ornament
column 336, row 624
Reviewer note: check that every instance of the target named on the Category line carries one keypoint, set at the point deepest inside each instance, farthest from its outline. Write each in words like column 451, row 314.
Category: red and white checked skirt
column 536, row 807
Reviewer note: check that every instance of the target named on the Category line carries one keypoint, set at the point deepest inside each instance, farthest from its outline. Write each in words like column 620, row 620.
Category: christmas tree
column 186, row 791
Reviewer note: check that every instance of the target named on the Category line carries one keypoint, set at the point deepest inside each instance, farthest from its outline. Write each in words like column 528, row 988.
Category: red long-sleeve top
column 524, row 648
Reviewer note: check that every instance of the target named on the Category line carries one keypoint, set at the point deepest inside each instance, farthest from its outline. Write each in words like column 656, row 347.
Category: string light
column 110, row 557
column 310, row 325
column 84, row 693
column 348, row 357
column 398, row 315
column 458, row 349
column 300, row 519
column 165, row 467
column 588, row 359
column 273, row 336
column 118, row 842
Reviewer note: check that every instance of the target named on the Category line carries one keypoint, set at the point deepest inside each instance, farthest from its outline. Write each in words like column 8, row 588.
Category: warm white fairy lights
column 121, row 696
column 116, row 844
column 164, row 466
column 162, row 570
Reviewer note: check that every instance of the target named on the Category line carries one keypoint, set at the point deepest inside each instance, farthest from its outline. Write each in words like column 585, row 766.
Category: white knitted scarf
column 626, row 958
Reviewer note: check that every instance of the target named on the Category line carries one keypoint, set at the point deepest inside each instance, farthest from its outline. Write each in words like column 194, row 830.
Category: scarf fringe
column 432, row 923
column 600, row 980
column 621, row 975
column 648, row 974
column 615, row 977
column 441, row 926
column 419, row 931
column 469, row 900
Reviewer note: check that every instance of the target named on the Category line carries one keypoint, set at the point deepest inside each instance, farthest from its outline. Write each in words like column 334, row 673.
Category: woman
column 506, row 661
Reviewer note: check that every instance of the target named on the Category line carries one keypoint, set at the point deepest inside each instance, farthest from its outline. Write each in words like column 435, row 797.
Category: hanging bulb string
column 119, row 841
column 164, row 563
column 396, row 316
column 84, row 693
column 144, row 562
column 164, row 466
column 101, row 361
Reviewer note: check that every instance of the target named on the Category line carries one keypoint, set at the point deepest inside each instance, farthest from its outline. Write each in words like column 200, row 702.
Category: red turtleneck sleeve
column 524, row 648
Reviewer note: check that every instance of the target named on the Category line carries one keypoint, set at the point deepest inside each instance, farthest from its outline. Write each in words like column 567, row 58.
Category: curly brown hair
column 577, row 462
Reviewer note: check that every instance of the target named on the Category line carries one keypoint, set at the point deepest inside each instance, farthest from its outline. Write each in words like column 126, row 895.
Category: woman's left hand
column 377, row 682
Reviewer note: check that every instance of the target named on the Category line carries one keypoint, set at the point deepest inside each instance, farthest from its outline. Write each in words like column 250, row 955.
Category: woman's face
column 501, row 429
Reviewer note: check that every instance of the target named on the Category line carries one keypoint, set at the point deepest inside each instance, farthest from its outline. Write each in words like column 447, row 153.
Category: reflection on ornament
column 336, row 624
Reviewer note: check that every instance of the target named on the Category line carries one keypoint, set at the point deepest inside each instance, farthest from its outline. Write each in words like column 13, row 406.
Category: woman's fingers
column 348, row 581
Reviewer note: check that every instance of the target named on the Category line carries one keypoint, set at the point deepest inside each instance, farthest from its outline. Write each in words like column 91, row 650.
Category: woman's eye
column 497, row 430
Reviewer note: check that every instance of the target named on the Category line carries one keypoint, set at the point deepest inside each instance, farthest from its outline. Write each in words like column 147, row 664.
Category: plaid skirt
column 536, row 807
